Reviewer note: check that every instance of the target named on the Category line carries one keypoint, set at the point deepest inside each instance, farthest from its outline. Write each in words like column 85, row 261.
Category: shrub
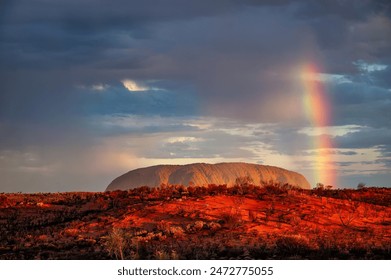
column 164, row 227
column 116, row 243
column 231, row 219
column 292, row 246
column 244, row 180
column 275, row 189
column 360, row 185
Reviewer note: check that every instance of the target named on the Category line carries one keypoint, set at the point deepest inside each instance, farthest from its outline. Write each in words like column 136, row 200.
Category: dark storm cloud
column 103, row 14
column 85, row 29
column 235, row 53
column 352, row 10
column 68, row 25
column 383, row 78
column 362, row 104
column 365, row 138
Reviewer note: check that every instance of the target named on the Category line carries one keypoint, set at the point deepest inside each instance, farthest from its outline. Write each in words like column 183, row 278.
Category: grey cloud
column 288, row 140
column 365, row 100
column 211, row 145
column 383, row 78
column 345, row 163
column 351, row 10
column 232, row 57
column 345, row 153
column 365, row 138
column 385, row 161
column 53, row 170
column 375, row 179
column 358, row 93
column 121, row 124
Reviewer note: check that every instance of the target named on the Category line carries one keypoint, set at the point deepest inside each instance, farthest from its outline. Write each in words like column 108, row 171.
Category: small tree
column 116, row 243
column 320, row 186
column 245, row 180
column 360, row 185
column 348, row 214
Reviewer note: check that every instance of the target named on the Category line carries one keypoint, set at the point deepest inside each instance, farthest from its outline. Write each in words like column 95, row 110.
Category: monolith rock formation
column 203, row 174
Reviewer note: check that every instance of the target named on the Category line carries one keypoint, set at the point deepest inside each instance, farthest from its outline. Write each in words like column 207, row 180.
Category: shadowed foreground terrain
column 177, row 222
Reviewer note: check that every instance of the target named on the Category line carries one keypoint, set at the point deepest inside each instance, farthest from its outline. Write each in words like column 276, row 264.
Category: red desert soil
column 177, row 222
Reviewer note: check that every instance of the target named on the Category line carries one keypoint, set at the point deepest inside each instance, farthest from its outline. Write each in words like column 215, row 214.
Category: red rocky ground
column 177, row 222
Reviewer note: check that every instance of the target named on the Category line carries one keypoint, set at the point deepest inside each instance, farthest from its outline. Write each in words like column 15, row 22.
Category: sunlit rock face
column 202, row 174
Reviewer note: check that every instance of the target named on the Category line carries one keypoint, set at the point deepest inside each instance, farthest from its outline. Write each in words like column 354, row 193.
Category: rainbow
column 318, row 112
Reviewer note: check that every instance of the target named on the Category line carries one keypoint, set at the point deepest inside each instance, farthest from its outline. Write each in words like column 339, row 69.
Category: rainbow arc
column 318, row 111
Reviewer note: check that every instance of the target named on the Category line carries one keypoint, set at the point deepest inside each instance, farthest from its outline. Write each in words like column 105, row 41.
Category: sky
column 90, row 89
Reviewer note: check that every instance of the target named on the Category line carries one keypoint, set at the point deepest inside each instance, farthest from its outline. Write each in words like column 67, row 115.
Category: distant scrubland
column 177, row 222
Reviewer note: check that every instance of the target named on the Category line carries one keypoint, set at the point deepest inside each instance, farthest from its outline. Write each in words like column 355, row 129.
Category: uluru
column 202, row 174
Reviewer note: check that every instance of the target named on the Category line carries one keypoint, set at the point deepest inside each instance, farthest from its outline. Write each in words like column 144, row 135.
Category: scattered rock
column 214, row 226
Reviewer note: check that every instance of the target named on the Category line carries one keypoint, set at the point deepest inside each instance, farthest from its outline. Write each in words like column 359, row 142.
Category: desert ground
column 273, row 221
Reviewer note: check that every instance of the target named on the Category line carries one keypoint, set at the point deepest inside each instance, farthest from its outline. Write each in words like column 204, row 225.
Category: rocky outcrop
column 202, row 174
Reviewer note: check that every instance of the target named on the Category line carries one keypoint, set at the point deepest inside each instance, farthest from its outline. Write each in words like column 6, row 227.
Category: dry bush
column 199, row 225
column 217, row 189
column 244, row 180
column 213, row 226
column 177, row 231
column 232, row 219
column 161, row 255
column 163, row 226
column 195, row 227
column 117, row 243
column 180, row 211
column 347, row 214
column 275, row 189
column 292, row 246
column 122, row 244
